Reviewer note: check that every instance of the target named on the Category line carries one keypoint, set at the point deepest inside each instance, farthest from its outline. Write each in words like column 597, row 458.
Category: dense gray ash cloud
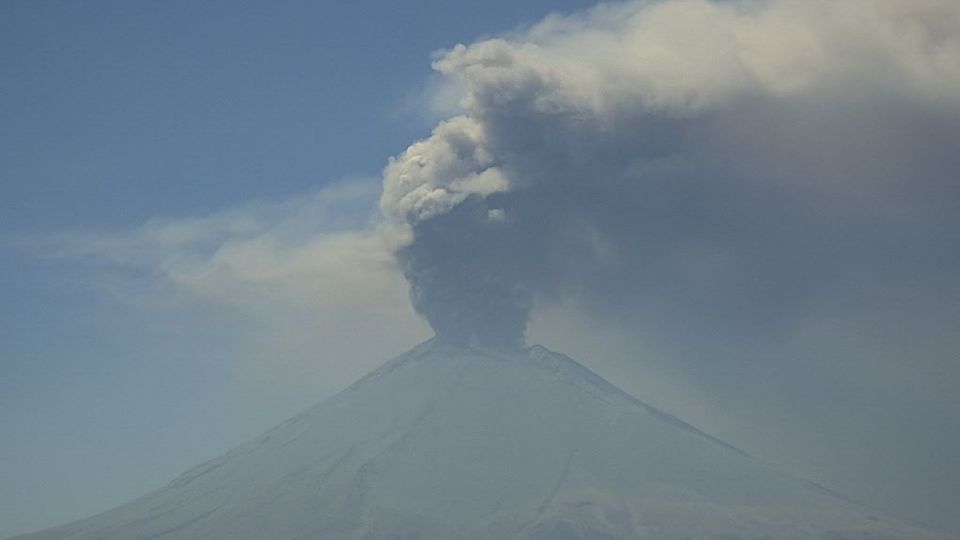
column 711, row 167
column 467, row 277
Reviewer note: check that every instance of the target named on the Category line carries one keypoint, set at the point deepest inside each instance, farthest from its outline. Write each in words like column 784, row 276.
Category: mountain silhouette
column 468, row 443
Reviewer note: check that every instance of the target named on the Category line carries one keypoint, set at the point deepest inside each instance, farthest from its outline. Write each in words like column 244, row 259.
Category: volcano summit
column 446, row 443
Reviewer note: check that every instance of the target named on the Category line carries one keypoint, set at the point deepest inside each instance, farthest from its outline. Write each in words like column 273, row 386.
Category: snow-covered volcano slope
column 444, row 443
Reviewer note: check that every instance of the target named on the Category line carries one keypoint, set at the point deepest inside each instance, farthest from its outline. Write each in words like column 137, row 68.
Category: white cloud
column 306, row 291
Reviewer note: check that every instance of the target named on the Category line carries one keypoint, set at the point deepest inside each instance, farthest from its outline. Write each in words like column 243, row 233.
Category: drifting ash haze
column 717, row 175
column 446, row 443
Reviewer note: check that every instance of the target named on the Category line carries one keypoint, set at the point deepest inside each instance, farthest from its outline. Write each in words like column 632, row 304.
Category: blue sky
column 118, row 112
column 742, row 212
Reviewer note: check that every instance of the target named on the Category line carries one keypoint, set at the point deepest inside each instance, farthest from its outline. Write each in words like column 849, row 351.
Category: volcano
column 448, row 443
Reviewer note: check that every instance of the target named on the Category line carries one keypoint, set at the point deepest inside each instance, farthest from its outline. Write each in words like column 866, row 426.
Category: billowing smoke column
column 463, row 277
column 466, row 278
column 692, row 164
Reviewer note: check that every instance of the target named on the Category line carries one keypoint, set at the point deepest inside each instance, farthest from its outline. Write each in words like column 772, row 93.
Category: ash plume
column 698, row 166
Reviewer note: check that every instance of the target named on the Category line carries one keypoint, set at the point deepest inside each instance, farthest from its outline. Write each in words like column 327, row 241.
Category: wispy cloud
column 290, row 285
